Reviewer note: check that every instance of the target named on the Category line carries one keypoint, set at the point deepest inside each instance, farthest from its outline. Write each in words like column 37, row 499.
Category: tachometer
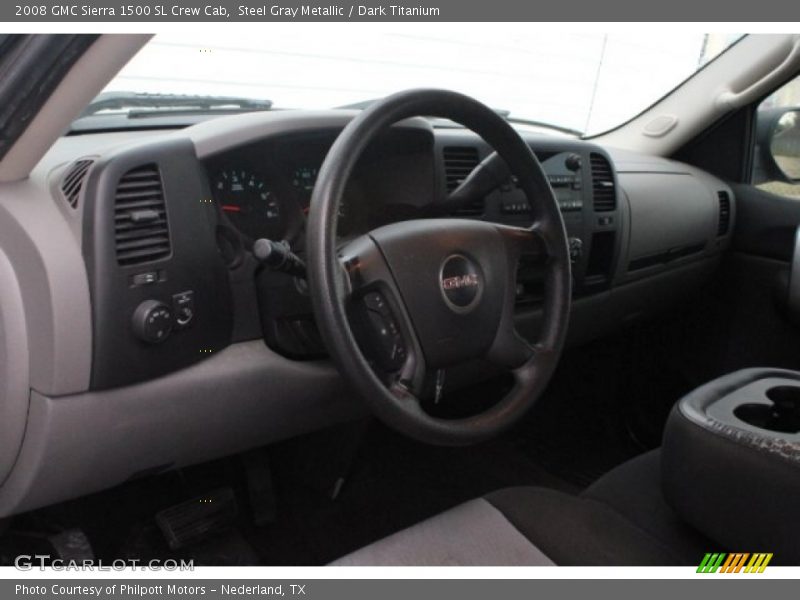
column 249, row 203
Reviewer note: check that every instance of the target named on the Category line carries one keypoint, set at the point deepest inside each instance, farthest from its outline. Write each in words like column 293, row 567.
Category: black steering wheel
column 434, row 293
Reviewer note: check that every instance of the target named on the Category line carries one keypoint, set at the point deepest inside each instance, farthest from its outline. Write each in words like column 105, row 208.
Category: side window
column 776, row 165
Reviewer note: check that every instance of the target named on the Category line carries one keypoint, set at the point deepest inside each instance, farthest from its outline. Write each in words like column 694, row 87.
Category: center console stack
column 731, row 461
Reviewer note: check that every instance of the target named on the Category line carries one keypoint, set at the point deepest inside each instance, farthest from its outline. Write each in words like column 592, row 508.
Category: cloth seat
column 622, row 519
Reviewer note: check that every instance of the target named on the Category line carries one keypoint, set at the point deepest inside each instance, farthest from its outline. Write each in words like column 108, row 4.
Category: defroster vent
column 141, row 230
column 72, row 182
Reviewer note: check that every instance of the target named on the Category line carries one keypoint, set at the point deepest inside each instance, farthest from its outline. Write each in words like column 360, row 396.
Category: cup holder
column 783, row 415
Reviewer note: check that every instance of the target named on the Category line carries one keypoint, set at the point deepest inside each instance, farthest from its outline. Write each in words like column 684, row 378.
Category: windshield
column 586, row 82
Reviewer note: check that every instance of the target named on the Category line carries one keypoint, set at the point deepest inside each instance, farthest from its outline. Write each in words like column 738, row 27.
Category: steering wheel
column 434, row 293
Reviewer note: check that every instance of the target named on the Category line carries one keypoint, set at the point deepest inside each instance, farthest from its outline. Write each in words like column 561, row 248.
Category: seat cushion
column 620, row 520
column 471, row 534
column 634, row 489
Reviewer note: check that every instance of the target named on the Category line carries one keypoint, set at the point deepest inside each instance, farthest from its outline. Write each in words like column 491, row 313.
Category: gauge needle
column 231, row 208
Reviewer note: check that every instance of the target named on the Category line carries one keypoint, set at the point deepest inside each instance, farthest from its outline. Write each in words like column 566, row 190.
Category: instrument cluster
column 265, row 191
column 264, row 201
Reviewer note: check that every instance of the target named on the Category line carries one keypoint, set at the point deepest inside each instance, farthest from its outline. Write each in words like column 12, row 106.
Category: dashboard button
column 152, row 321
column 144, row 278
column 183, row 307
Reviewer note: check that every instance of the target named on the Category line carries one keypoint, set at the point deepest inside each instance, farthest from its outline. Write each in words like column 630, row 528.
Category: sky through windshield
column 589, row 82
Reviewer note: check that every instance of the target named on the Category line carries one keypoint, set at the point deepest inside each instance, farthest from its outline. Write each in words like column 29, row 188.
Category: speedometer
column 250, row 204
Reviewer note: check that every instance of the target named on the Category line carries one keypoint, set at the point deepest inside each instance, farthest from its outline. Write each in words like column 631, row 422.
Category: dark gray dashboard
column 172, row 278
column 650, row 232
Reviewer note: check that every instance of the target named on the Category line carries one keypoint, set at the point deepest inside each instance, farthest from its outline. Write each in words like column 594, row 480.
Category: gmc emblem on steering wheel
column 453, row 283
column 461, row 283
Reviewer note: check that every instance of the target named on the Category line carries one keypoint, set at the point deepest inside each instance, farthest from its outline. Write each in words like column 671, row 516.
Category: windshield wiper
column 140, row 104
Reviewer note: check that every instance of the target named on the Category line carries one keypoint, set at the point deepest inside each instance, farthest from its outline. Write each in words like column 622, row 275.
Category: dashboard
column 160, row 289
column 155, row 329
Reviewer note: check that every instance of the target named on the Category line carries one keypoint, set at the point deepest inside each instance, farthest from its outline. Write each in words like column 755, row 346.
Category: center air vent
column 724, row 213
column 141, row 231
column 459, row 161
column 603, row 190
column 72, row 182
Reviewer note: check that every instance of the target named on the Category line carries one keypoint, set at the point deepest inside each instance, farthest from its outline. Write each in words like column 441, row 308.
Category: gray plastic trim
column 793, row 300
column 711, row 407
column 656, row 191
column 243, row 397
column 49, row 266
column 694, row 102
column 755, row 392
column 667, row 211
column 218, row 135
column 14, row 361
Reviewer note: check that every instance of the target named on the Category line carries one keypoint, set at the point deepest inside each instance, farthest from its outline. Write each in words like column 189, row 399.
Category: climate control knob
column 152, row 321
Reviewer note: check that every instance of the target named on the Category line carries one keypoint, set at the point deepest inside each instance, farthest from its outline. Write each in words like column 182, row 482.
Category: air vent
column 459, row 161
column 72, row 182
column 603, row 189
column 141, row 230
column 724, row 213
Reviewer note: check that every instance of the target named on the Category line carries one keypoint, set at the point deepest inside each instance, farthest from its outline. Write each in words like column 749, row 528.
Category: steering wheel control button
column 183, row 308
column 575, row 249
column 461, row 283
column 152, row 321
column 388, row 347
column 375, row 302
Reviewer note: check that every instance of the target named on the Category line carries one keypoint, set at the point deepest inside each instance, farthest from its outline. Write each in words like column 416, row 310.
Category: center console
column 731, row 461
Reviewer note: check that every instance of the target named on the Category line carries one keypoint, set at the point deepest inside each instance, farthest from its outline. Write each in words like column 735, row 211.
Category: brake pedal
column 196, row 519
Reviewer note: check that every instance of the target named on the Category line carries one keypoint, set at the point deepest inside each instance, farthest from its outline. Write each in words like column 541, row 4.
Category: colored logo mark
column 737, row 562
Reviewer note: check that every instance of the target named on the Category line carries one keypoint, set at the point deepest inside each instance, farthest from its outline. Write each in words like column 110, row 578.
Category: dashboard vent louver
column 724, row 213
column 72, row 182
column 141, row 231
column 603, row 189
column 459, row 161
